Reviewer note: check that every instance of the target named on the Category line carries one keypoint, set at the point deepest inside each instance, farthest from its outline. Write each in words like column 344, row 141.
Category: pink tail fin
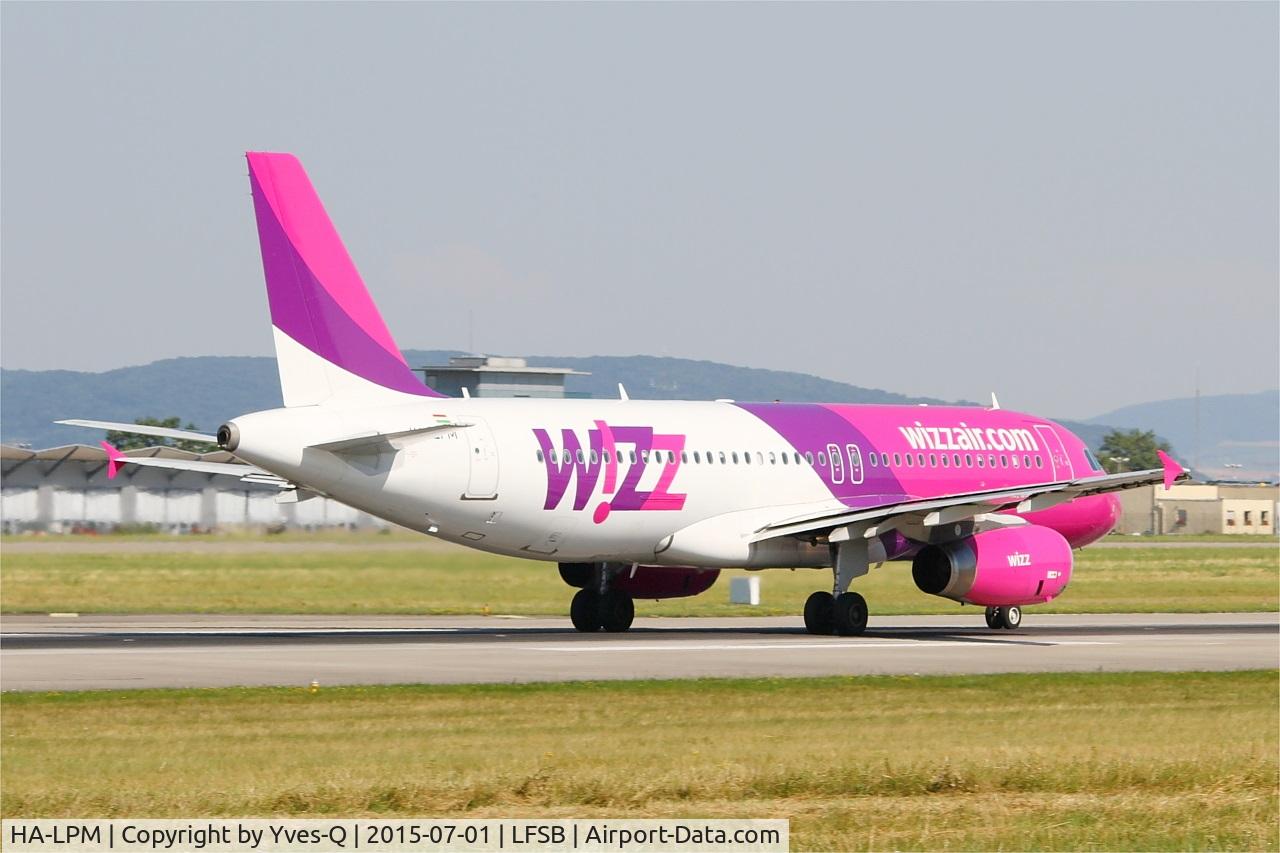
column 316, row 295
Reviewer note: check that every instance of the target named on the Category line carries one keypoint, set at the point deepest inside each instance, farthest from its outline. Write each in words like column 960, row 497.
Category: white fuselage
column 485, row 482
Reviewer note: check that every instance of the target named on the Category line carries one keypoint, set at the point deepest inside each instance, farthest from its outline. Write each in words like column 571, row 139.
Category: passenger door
column 482, row 484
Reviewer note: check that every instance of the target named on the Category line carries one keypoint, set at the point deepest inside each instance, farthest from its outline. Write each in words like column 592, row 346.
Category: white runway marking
column 737, row 647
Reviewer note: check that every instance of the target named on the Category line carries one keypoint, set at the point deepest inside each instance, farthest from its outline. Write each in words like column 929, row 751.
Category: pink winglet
column 115, row 459
column 1172, row 470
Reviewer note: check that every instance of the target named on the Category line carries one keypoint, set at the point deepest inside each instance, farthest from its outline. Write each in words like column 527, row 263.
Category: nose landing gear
column 1008, row 618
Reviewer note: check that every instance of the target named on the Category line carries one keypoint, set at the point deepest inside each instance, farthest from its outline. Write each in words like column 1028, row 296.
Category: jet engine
column 998, row 568
column 647, row 581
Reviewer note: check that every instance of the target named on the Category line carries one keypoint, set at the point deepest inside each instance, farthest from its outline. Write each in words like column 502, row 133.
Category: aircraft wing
column 949, row 509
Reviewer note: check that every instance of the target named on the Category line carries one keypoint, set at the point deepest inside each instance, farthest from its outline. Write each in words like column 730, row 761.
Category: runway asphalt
column 71, row 652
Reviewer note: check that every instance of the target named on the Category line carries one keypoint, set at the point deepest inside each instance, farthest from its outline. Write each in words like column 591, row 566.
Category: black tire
column 820, row 613
column 576, row 574
column 1010, row 618
column 617, row 610
column 584, row 611
column 993, row 618
column 850, row 614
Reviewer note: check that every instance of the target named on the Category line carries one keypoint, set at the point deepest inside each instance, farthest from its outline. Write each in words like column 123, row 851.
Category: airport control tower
column 498, row 376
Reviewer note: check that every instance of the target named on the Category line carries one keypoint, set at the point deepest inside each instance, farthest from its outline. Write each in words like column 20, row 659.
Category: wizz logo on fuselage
column 599, row 459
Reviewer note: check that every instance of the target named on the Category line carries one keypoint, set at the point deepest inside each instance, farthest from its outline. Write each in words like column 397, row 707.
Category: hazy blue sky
column 1072, row 204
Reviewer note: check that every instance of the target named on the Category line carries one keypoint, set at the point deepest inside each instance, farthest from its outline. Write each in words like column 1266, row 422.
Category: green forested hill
column 206, row 390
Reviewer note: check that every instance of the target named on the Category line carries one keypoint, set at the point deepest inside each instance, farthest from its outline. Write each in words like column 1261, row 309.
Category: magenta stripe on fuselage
column 960, row 432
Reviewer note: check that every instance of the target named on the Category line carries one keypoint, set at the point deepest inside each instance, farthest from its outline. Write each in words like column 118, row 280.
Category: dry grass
column 1071, row 761
column 453, row 580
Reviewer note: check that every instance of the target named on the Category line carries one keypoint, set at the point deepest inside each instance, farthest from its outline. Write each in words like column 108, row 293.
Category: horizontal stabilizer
column 117, row 460
column 143, row 429
column 353, row 442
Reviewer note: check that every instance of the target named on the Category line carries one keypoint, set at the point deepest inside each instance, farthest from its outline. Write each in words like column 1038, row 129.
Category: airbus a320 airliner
column 648, row 499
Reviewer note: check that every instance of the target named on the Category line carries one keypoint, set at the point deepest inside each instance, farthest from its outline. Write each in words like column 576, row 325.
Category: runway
column 97, row 652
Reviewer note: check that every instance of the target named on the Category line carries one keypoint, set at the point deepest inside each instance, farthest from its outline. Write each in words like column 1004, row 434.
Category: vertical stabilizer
column 331, row 343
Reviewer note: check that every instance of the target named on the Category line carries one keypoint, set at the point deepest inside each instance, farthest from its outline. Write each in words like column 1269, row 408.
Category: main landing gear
column 597, row 605
column 1008, row 618
column 824, row 613
column 840, row 611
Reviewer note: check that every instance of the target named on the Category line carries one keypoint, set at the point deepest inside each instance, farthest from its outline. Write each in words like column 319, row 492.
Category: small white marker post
column 745, row 591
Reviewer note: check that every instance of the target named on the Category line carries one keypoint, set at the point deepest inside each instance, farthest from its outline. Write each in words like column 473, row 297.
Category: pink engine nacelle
column 666, row 581
column 998, row 568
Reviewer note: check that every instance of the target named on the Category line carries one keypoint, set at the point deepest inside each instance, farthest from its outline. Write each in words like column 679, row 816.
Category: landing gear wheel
column 617, row 610
column 820, row 613
column 993, row 618
column 850, row 614
column 1010, row 617
column 584, row 612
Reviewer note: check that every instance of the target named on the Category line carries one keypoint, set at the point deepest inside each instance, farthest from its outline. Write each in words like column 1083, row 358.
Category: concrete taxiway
column 69, row 652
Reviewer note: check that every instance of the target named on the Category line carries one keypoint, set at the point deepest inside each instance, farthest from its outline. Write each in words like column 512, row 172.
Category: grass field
column 368, row 575
column 1141, row 761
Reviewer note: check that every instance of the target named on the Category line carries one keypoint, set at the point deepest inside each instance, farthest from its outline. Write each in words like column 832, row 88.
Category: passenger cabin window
column 697, row 459
column 722, row 459
column 933, row 460
column 773, row 459
column 539, row 455
column 1039, row 461
column 884, row 459
column 979, row 461
column 873, row 459
column 945, row 461
column 897, row 460
column 955, row 459
column 908, row 460
column 968, row 460
column 632, row 454
column 1026, row 461
column 822, row 458
column 808, row 457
